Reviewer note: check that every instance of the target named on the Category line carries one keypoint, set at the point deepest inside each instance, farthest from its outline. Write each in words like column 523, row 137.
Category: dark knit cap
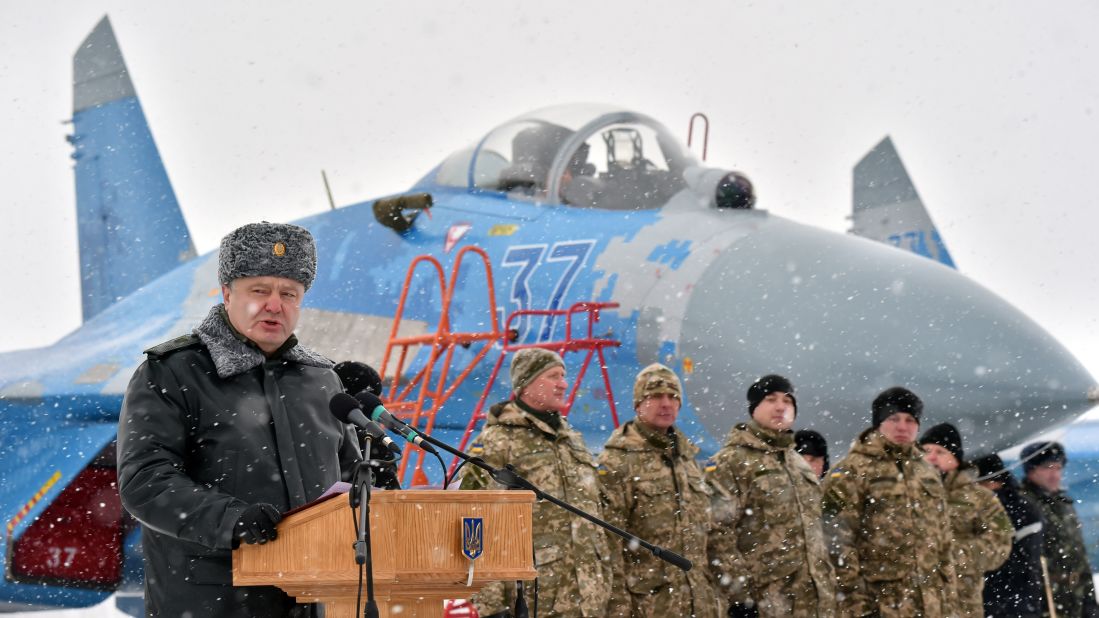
column 893, row 400
column 268, row 250
column 1041, row 453
column 991, row 468
column 809, row 442
column 357, row 377
column 766, row 385
column 946, row 436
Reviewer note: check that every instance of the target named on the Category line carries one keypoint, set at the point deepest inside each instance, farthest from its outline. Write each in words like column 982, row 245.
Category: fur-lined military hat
column 529, row 363
column 766, row 385
column 1041, row 453
column 655, row 380
column 946, row 436
column 893, row 400
column 268, row 250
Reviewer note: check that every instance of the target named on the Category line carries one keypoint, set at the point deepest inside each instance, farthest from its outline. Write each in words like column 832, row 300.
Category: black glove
column 503, row 614
column 739, row 610
column 257, row 524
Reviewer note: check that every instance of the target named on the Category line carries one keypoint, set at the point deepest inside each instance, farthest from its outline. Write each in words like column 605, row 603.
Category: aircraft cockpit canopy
column 590, row 156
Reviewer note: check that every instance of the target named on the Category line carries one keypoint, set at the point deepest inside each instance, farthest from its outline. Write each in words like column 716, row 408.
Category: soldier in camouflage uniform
column 885, row 511
column 653, row 487
column 982, row 529
column 572, row 556
column 767, row 546
column 1066, row 558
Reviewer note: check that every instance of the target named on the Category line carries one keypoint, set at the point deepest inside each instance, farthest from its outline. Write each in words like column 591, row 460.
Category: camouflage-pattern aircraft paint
column 572, row 204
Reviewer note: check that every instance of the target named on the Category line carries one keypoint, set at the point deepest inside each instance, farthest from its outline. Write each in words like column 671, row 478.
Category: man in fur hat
column 767, row 547
column 224, row 429
column 982, row 529
column 885, row 509
column 572, row 555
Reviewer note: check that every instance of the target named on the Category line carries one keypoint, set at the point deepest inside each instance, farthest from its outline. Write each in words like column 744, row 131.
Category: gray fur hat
column 529, row 363
column 268, row 250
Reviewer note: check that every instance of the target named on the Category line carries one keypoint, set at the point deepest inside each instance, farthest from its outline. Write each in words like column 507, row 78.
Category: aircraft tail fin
column 887, row 208
column 130, row 226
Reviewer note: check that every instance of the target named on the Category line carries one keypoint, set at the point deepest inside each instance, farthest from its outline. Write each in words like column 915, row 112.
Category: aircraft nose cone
column 845, row 318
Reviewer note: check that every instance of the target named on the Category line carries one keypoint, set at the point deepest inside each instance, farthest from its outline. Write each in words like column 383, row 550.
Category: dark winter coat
column 1066, row 556
column 209, row 426
column 1015, row 589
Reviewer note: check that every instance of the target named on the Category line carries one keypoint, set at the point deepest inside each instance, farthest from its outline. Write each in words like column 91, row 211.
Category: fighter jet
column 573, row 204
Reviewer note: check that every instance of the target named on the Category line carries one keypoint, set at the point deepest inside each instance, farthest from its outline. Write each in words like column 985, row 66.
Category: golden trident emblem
column 473, row 541
column 473, row 537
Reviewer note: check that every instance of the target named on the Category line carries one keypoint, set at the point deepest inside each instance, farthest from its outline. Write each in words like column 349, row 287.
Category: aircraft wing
column 64, row 527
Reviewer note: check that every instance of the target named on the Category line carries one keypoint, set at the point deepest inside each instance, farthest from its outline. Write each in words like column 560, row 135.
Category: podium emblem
column 473, row 537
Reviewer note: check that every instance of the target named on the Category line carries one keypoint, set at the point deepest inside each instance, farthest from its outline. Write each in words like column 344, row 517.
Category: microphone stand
column 359, row 496
column 507, row 477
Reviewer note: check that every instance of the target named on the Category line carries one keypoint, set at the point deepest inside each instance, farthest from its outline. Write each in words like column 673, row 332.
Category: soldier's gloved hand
column 740, row 610
column 257, row 524
column 503, row 614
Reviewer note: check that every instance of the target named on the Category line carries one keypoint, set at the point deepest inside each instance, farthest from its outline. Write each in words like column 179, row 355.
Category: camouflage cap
column 529, row 363
column 268, row 250
column 654, row 380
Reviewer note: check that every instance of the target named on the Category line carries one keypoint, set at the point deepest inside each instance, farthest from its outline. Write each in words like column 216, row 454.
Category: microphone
column 370, row 401
column 346, row 409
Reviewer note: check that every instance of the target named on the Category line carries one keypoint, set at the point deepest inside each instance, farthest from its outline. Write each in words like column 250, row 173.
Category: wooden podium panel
column 416, row 537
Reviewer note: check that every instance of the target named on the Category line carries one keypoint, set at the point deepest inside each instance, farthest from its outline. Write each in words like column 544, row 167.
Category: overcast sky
column 993, row 106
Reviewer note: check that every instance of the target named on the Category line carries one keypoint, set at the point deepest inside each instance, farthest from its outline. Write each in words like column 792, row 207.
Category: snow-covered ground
column 106, row 609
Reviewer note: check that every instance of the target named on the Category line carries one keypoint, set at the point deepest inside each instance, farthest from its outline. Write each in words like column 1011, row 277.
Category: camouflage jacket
column 1064, row 551
column 653, row 487
column 886, row 515
column 982, row 536
column 572, row 555
column 767, row 523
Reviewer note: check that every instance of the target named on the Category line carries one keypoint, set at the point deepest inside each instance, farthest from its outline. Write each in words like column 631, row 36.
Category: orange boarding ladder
column 419, row 398
column 589, row 343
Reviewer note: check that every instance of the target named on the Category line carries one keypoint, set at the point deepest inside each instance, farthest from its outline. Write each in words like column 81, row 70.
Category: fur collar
column 233, row 354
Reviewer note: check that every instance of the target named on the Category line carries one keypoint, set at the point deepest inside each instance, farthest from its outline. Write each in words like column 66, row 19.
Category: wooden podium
column 416, row 537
